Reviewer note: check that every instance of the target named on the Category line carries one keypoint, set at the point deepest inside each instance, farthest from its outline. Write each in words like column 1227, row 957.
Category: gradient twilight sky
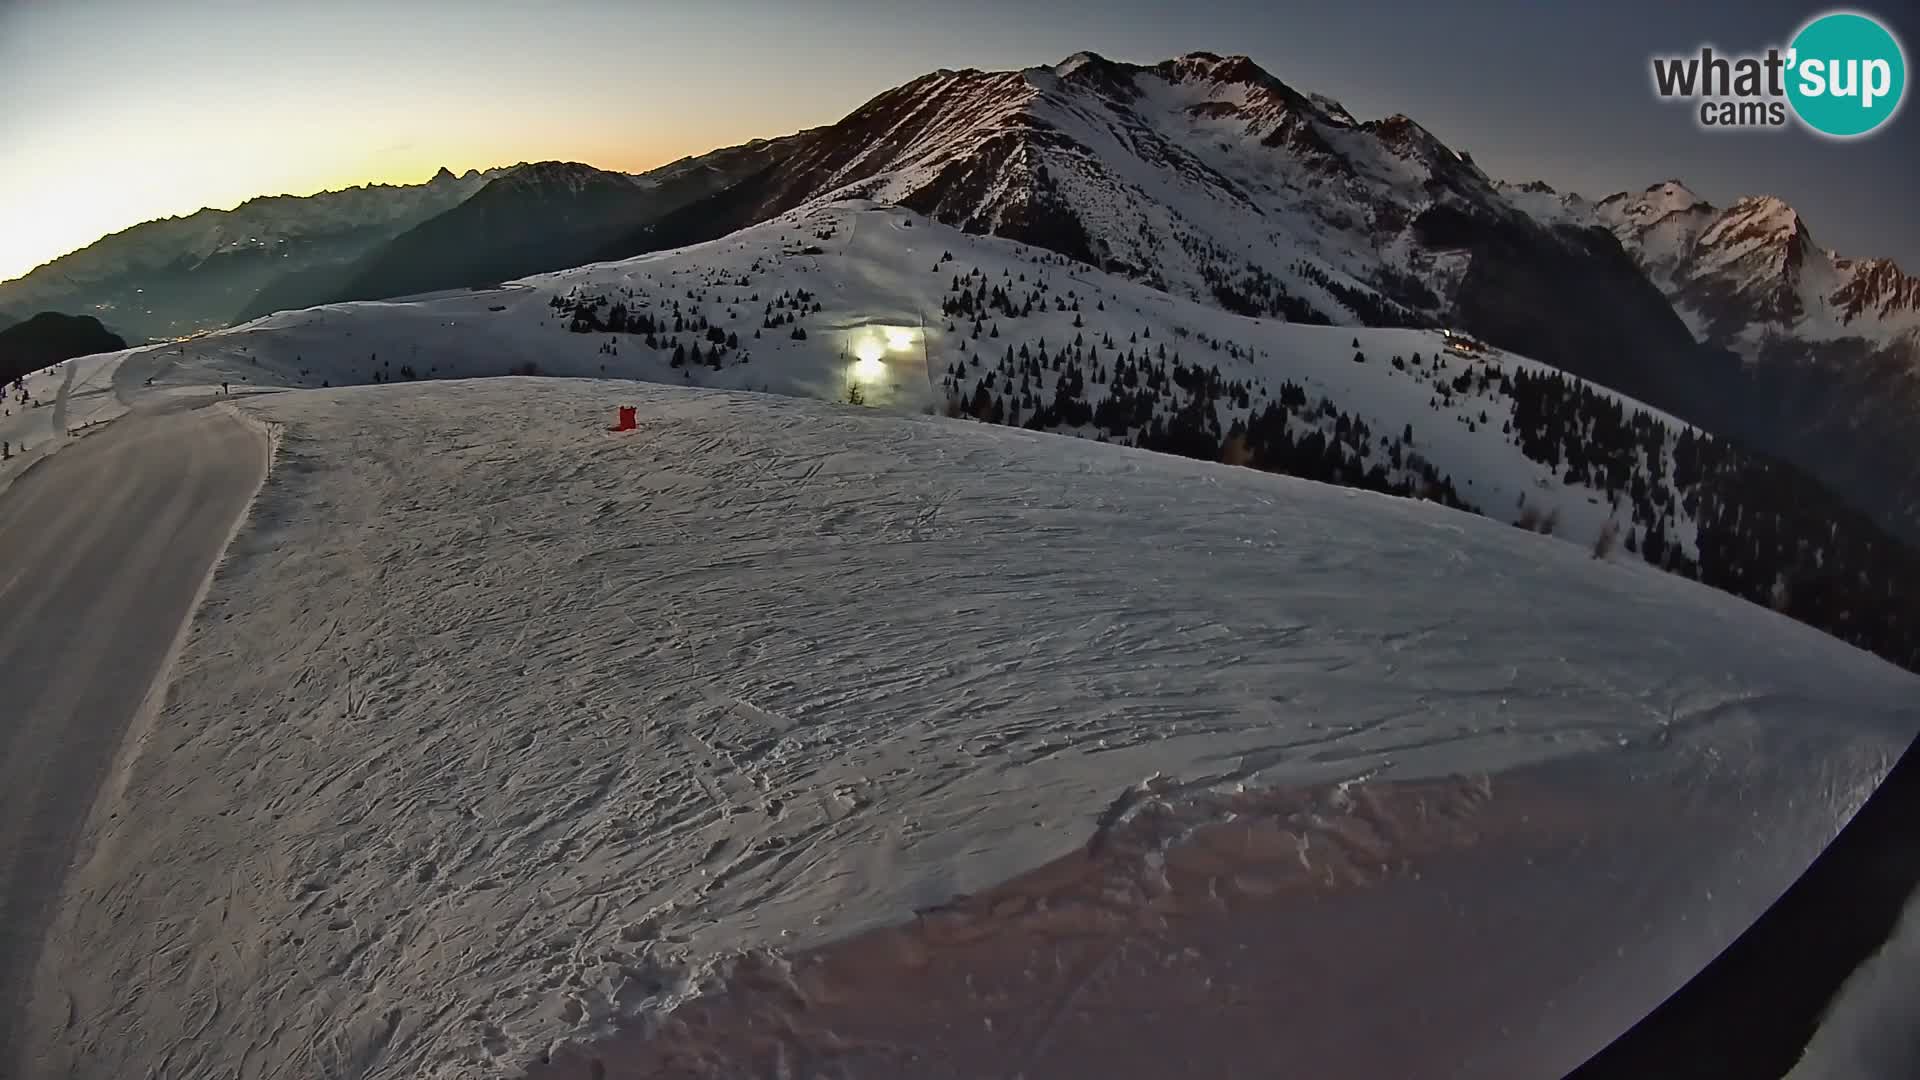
column 114, row 112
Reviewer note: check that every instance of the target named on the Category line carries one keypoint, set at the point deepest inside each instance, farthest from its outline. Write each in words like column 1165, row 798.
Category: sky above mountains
column 120, row 111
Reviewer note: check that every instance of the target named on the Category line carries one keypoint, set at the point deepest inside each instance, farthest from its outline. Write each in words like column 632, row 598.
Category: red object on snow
column 627, row 419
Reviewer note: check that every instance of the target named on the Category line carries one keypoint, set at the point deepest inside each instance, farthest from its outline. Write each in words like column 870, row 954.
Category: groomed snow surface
column 497, row 728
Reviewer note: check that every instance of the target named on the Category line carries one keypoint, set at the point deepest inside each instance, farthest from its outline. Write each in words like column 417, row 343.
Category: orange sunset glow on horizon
column 189, row 106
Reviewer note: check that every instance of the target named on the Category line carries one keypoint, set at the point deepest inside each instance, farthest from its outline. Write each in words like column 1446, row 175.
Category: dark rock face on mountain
column 49, row 338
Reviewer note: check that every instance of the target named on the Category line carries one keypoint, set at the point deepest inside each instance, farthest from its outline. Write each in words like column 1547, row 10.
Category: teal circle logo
column 1847, row 74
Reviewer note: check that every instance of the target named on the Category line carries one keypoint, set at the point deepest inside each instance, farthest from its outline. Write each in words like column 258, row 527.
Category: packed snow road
column 103, row 551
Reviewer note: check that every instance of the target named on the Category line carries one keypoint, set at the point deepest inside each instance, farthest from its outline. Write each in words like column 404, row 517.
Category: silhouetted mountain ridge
column 179, row 275
column 528, row 219
column 50, row 337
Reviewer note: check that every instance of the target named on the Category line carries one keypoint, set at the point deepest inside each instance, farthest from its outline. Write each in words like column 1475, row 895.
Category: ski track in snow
column 84, row 386
column 496, row 727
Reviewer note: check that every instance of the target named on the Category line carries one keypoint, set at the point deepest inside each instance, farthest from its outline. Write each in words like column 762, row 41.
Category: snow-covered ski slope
column 38, row 422
column 498, row 729
column 859, row 279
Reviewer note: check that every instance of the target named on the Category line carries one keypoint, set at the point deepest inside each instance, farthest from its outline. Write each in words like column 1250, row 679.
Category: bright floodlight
column 899, row 338
column 869, row 368
column 869, row 350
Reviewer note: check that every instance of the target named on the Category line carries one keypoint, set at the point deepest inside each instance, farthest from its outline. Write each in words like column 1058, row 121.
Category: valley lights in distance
column 1843, row 75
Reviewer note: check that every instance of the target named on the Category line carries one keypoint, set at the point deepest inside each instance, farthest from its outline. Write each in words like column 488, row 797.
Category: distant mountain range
column 1747, row 275
column 1825, row 366
column 1204, row 176
column 179, row 275
column 528, row 219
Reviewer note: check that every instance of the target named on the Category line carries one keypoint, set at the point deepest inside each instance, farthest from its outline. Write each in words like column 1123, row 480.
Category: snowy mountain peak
column 1767, row 213
column 1202, row 174
column 1760, row 246
column 1221, row 69
column 1657, row 203
column 1083, row 72
column 443, row 175
column 1238, row 79
column 1749, row 273
column 1229, row 85
column 1077, row 61
column 1672, row 194
column 1406, row 137
column 1877, row 288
